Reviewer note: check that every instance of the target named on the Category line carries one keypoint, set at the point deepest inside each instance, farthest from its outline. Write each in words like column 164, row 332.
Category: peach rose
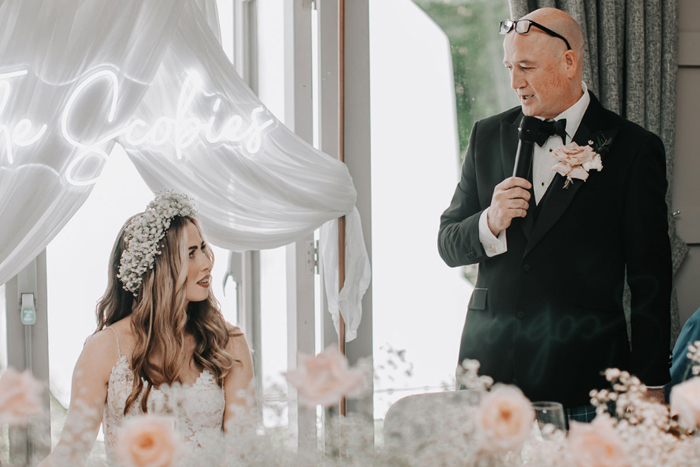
column 597, row 444
column 594, row 164
column 505, row 418
column 578, row 173
column 148, row 440
column 574, row 154
column 574, row 161
column 324, row 379
column 20, row 397
column 685, row 402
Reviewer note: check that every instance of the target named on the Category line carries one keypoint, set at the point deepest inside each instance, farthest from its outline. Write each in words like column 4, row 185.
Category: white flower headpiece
column 144, row 233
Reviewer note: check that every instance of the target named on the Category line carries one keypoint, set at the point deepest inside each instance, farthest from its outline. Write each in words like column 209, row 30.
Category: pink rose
column 505, row 418
column 594, row 164
column 20, row 397
column 685, row 402
column 574, row 161
column 324, row 379
column 148, row 440
column 597, row 444
column 573, row 154
column 578, row 173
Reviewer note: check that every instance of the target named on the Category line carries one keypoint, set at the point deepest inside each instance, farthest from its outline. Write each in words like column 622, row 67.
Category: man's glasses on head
column 523, row 26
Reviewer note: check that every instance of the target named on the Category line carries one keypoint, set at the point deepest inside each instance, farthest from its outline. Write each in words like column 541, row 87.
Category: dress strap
column 119, row 349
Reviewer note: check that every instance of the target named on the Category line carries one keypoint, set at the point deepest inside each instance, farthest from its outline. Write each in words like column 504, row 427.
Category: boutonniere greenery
column 602, row 143
column 576, row 162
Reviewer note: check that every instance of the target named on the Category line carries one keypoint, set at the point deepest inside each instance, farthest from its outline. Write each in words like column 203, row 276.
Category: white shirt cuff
column 492, row 245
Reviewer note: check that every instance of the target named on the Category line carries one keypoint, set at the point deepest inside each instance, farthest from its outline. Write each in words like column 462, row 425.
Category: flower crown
column 144, row 233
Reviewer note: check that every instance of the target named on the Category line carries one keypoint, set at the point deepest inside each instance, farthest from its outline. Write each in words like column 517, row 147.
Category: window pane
column 273, row 321
column 436, row 67
column 273, row 282
column 482, row 83
column 225, row 8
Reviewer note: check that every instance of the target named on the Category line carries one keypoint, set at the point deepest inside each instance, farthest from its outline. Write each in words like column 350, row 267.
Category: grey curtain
column 631, row 65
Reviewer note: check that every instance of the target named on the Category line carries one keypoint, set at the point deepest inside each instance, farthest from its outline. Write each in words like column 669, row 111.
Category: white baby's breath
column 144, row 233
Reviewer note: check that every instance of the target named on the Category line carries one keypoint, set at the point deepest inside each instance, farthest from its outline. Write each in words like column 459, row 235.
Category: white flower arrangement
column 144, row 233
column 491, row 428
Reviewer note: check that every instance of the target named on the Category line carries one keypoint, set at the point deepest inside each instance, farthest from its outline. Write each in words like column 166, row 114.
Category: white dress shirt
column 542, row 173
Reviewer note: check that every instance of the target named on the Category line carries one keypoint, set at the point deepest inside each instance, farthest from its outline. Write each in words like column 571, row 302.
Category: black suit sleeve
column 648, row 259
column 458, row 239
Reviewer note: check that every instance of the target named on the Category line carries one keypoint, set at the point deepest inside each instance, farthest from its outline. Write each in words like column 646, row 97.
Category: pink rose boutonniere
column 575, row 162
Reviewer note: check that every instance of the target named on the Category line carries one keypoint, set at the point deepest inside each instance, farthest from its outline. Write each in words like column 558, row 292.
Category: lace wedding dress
column 198, row 409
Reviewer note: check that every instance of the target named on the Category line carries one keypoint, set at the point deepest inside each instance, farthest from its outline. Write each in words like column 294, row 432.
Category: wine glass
column 548, row 426
column 550, row 419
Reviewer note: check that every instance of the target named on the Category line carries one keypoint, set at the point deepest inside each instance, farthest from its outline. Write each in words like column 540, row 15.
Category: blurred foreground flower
column 324, row 379
column 504, row 419
column 597, row 444
column 20, row 397
column 148, row 441
column 685, row 402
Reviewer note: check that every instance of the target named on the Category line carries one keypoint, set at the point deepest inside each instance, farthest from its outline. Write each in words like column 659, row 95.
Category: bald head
column 560, row 22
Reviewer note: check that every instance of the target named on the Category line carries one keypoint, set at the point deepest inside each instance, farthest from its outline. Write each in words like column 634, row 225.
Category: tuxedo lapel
column 557, row 199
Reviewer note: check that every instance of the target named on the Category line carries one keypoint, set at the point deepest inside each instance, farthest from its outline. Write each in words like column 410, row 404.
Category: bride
column 161, row 344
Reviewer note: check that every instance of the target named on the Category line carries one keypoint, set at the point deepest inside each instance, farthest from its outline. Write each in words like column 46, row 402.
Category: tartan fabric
column 582, row 413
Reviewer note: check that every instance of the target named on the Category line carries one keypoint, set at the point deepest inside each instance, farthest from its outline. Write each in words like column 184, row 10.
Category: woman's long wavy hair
column 160, row 317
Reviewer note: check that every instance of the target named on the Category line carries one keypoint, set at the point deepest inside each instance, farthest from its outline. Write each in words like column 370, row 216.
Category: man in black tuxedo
column 546, row 313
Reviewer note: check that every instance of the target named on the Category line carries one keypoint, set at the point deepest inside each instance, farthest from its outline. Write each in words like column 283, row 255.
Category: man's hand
column 510, row 200
column 656, row 395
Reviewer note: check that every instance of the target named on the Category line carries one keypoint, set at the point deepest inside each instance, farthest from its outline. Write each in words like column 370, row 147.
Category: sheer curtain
column 255, row 188
column 46, row 50
column 152, row 75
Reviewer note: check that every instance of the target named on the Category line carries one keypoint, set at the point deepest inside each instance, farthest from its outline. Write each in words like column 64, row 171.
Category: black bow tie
column 550, row 128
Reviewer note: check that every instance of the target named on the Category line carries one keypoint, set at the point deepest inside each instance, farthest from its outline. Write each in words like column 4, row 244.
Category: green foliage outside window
column 482, row 84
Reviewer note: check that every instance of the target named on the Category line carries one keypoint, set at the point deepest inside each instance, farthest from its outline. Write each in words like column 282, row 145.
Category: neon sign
column 20, row 135
column 179, row 131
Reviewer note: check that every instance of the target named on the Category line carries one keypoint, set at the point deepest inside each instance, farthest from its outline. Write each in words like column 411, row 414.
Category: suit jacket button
column 520, row 315
column 526, row 268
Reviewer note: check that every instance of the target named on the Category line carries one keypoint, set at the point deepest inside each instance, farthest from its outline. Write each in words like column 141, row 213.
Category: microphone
column 527, row 134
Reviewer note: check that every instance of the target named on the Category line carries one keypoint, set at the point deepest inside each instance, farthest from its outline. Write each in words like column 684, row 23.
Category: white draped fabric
column 357, row 273
column 152, row 75
column 246, row 198
column 46, row 47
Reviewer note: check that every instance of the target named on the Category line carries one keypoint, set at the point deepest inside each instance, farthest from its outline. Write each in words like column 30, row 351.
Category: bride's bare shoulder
column 233, row 331
column 237, row 344
column 100, row 353
column 105, row 346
